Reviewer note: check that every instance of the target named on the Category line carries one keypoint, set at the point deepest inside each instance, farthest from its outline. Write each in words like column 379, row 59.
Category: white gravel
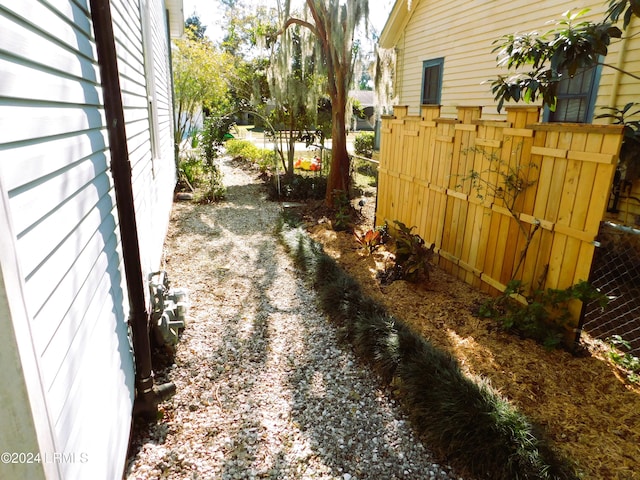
column 264, row 389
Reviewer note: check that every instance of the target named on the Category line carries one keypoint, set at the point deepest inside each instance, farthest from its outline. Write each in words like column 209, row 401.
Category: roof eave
column 176, row 18
column 398, row 19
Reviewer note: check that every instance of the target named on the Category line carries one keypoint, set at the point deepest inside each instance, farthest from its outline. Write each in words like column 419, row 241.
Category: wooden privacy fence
column 463, row 183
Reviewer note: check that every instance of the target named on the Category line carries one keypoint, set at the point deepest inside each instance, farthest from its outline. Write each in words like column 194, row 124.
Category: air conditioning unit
column 169, row 309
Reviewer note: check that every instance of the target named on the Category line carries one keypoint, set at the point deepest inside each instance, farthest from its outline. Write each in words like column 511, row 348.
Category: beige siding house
column 69, row 364
column 444, row 55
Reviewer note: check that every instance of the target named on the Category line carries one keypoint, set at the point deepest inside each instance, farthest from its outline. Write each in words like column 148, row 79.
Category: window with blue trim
column 576, row 97
column 432, row 81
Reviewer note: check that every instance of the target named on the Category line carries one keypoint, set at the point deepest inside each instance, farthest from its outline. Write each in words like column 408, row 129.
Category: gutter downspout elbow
column 148, row 395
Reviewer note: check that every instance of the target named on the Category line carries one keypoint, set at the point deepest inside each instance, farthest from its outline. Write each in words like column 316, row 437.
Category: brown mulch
column 582, row 402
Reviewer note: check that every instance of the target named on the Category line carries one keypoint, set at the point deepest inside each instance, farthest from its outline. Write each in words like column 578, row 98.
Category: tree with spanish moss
column 329, row 27
column 295, row 94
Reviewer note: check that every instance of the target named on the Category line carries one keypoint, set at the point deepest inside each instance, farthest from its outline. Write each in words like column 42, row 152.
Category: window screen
column 432, row 81
column 576, row 98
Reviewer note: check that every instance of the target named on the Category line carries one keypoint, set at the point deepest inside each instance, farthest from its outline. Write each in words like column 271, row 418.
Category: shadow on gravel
column 333, row 402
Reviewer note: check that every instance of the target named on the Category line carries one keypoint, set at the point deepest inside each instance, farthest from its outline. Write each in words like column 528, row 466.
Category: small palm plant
column 370, row 240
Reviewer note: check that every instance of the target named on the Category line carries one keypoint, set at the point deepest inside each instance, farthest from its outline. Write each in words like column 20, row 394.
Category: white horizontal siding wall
column 465, row 37
column 143, row 61
column 54, row 165
column 21, row 395
column 165, row 162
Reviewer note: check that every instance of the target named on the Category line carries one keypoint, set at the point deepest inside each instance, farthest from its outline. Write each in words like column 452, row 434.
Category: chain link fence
column 616, row 273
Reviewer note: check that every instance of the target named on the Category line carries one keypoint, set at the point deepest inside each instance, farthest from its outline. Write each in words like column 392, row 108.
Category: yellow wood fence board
column 543, row 190
column 487, row 142
column 494, row 283
column 569, row 190
column 592, row 157
column 470, row 268
column 464, row 228
column 448, row 256
column 530, row 219
column 466, row 127
column 493, row 123
column 556, row 255
column 511, row 250
column 549, row 152
column 555, row 190
column 575, row 233
column 569, row 262
column 456, row 194
column 583, row 265
column 484, row 219
column 532, row 260
column 599, row 195
column 477, row 244
column 518, row 132
column 492, row 244
column 501, row 210
column 583, row 195
column 423, row 165
column 571, row 128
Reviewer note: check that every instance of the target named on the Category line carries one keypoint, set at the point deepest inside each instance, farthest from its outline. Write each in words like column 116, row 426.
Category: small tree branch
column 296, row 21
column 621, row 71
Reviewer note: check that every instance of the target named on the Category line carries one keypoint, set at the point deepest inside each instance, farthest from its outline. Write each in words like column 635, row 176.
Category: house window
column 432, row 81
column 576, row 97
column 150, row 73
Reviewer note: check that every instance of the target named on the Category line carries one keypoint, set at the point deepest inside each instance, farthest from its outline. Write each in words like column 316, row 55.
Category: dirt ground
column 581, row 401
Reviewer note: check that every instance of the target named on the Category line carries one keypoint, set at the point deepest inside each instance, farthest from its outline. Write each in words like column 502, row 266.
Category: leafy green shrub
column 363, row 144
column 267, row 160
column 193, row 169
column 412, row 257
column 630, row 149
column 627, row 362
column 242, row 148
column 343, row 211
column 545, row 314
column 366, row 169
column 462, row 416
column 213, row 135
column 195, row 174
column 248, row 151
column 296, row 187
column 215, row 188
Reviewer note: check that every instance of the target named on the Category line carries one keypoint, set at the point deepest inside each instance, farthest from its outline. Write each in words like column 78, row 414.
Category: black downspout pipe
column 148, row 395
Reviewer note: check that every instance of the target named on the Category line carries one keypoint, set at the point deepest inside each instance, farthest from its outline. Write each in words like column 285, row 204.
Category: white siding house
column 67, row 382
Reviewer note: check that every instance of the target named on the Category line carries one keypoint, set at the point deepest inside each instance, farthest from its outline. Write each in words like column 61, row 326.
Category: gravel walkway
column 264, row 389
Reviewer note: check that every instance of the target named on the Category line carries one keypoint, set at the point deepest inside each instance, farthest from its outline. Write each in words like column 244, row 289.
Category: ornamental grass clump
column 460, row 416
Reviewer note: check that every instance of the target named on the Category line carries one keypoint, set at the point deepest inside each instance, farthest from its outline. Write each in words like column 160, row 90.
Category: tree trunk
column 291, row 151
column 339, row 178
